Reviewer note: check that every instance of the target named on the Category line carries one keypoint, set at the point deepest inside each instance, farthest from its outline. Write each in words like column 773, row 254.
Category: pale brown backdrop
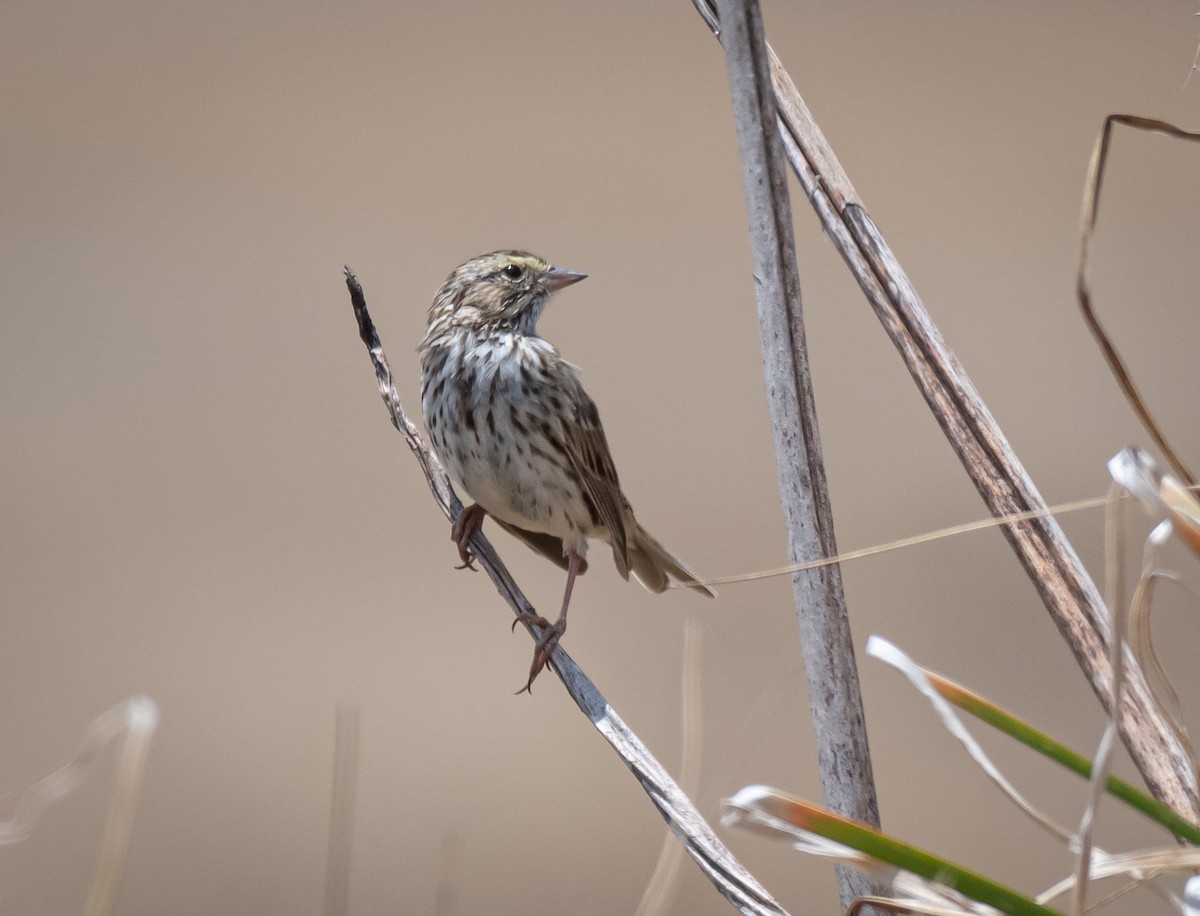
column 201, row 498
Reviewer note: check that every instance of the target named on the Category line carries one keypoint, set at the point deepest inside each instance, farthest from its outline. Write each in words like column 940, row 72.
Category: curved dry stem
column 1091, row 205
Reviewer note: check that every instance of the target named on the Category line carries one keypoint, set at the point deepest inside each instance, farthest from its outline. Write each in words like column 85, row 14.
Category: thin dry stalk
column 734, row 882
column 1065, row 587
column 141, row 721
column 1091, row 208
column 835, row 698
column 341, row 809
column 664, row 880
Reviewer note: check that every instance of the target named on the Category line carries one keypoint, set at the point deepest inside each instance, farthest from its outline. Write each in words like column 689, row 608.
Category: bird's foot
column 546, row 643
column 468, row 522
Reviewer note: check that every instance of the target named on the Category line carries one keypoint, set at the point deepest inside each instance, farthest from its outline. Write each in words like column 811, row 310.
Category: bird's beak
column 557, row 278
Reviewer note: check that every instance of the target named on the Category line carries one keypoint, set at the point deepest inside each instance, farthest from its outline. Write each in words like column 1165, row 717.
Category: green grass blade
column 784, row 816
column 1004, row 721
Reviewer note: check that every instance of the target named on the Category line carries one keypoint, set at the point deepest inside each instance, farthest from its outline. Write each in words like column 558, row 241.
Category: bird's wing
column 546, row 544
column 592, row 461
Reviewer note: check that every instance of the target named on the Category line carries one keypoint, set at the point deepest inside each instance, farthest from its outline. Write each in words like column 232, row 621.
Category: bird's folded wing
column 592, row 461
column 539, row 542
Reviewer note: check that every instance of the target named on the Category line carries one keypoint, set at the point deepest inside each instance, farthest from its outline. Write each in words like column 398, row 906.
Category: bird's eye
column 513, row 271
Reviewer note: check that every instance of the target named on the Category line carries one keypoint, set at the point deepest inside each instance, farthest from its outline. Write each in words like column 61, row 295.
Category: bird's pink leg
column 553, row 631
column 468, row 522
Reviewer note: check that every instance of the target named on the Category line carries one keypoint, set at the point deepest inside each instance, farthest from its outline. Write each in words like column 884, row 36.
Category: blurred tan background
column 202, row 499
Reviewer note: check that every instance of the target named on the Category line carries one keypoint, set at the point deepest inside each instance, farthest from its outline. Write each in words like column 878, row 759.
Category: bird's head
column 504, row 290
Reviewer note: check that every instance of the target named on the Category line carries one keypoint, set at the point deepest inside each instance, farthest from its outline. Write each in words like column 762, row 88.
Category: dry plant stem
column 1065, row 587
column 141, row 718
column 1091, row 204
column 736, row 884
column 341, row 809
column 834, row 694
column 664, row 880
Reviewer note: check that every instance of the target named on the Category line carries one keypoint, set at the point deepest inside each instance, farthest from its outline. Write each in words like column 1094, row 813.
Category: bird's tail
column 654, row 566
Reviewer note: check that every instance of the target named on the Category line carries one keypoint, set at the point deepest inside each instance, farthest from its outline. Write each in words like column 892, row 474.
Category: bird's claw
column 469, row 520
column 545, row 647
column 530, row 620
